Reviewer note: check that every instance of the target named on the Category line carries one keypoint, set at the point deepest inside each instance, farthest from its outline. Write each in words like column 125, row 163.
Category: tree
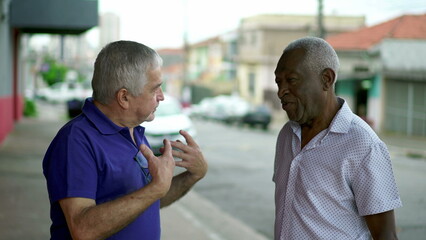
column 53, row 72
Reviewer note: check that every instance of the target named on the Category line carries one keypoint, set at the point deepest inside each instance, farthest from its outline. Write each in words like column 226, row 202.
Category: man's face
column 299, row 89
column 146, row 103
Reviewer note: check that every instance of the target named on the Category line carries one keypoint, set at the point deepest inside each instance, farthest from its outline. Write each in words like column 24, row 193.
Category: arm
column 382, row 225
column 86, row 220
column 194, row 163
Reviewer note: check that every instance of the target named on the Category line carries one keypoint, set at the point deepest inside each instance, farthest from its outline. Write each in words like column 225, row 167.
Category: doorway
column 361, row 100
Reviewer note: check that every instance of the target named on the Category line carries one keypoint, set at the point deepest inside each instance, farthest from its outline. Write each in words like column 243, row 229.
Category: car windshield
column 167, row 108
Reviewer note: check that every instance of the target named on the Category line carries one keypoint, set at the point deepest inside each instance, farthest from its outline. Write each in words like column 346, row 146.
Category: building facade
column 20, row 17
column 211, row 68
column 383, row 73
column 10, row 102
column 261, row 42
column 173, row 66
column 109, row 28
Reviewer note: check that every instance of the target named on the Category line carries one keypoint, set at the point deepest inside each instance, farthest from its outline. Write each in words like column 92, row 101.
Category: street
column 240, row 172
column 239, row 180
column 24, row 206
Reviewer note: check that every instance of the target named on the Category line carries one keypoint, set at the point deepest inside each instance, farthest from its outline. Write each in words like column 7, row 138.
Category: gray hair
column 122, row 64
column 319, row 54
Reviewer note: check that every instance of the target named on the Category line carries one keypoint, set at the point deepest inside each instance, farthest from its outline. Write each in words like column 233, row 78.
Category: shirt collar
column 341, row 123
column 102, row 122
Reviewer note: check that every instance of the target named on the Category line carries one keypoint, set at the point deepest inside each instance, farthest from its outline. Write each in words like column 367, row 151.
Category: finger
column 167, row 147
column 161, row 150
column 189, row 140
column 146, row 151
column 182, row 164
column 178, row 154
column 179, row 145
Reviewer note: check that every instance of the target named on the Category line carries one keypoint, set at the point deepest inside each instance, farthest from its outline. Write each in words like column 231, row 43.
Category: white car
column 169, row 119
column 223, row 108
column 65, row 91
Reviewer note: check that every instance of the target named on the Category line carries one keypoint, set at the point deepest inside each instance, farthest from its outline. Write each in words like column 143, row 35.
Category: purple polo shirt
column 91, row 157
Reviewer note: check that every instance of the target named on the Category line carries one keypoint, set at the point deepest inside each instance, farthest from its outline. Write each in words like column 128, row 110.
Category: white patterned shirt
column 323, row 190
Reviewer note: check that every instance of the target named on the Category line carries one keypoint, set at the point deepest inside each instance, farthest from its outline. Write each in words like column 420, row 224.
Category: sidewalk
column 413, row 147
column 24, row 206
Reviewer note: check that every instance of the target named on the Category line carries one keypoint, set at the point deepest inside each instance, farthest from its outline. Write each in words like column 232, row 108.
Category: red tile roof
column 170, row 51
column 404, row 27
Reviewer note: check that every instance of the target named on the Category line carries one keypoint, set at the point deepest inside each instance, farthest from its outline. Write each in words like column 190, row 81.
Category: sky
column 162, row 23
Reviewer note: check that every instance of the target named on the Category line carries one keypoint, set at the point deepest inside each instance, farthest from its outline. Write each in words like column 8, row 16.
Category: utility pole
column 186, row 90
column 320, row 20
column 62, row 48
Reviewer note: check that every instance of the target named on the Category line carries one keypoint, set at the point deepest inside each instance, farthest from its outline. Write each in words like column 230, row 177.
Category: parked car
column 202, row 109
column 169, row 119
column 222, row 108
column 258, row 116
column 235, row 107
column 65, row 91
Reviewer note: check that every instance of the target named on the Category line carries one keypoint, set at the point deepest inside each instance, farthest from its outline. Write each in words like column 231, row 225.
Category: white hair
column 122, row 64
column 319, row 54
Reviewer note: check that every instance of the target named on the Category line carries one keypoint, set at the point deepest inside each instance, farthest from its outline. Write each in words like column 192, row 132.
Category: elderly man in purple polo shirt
column 103, row 180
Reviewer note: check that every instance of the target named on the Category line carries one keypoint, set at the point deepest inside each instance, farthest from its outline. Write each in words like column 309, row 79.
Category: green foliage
column 52, row 71
column 81, row 78
column 30, row 108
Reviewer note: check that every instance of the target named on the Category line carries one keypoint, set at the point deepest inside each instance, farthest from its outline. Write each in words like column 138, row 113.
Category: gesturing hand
column 191, row 155
column 161, row 168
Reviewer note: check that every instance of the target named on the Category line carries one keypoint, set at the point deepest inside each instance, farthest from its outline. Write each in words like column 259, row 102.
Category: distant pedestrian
column 333, row 175
column 103, row 180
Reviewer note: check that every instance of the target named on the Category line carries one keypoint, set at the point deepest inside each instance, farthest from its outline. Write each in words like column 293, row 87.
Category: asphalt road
column 240, row 172
column 239, row 180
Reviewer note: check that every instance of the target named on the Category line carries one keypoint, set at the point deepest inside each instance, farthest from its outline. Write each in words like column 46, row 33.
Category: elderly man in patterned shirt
column 332, row 173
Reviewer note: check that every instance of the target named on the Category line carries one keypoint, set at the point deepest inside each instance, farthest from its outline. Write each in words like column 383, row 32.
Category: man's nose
column 282, row 89
column 160, row 95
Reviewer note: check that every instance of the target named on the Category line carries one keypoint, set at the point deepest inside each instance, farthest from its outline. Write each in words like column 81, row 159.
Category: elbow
column 82, row 233
column 78, row 235
column 164, row 203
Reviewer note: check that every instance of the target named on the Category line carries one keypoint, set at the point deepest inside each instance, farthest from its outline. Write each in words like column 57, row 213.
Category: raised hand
column 191, row 155
column 161, row 168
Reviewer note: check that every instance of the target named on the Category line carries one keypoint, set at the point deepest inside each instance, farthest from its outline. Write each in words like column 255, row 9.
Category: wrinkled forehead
column 290, row 59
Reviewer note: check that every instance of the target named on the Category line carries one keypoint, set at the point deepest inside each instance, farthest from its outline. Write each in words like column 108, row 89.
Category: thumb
column 146, row 151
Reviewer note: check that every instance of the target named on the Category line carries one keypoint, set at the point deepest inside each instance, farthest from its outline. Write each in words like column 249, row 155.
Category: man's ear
column 328, row 77
column 122, row 98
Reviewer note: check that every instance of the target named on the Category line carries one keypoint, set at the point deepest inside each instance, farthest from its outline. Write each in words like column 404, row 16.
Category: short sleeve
column 374, row 184
column 71, row 169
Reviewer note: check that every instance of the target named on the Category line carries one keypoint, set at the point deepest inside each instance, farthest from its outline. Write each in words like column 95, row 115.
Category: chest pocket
column 120, row 175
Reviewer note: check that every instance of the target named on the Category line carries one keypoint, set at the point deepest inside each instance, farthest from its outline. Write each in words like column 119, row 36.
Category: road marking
column 186, row 213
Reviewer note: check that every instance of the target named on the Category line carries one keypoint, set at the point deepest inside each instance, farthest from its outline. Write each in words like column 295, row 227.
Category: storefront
column 362, row 96
column 32, row 16
column 405, row 110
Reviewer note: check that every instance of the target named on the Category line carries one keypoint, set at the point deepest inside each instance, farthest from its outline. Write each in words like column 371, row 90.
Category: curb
column 207, row 221
column 411, row 153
